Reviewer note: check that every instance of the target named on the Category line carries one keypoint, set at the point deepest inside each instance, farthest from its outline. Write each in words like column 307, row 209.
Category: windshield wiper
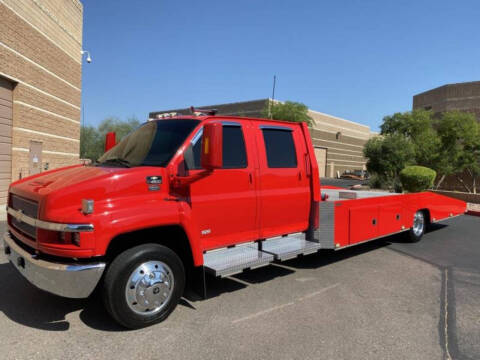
column 118, row 161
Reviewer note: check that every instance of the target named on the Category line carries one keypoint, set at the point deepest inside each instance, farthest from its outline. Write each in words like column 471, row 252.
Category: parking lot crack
column 447, row 323
column 445, row 314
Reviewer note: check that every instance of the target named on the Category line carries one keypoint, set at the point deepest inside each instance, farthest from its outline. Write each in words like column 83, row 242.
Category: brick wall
column 451, row 183
column 470, row 198
column 40, row 52
column 60, row 21
column 462, row 96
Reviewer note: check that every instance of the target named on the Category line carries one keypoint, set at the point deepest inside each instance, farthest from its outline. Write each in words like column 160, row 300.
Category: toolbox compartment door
column 363, row 223
column 391, row 218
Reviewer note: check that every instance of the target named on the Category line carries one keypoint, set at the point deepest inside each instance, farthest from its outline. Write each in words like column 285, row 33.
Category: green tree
column 90, row 143
column 287, row 111
column 120, row 127
column 387, row 156
column 448, row 143
column 92, row 139
column 459, row 133
column 417, row 127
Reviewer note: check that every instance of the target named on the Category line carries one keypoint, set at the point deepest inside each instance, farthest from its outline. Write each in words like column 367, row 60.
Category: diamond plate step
column 231, row 261
column 288, row 247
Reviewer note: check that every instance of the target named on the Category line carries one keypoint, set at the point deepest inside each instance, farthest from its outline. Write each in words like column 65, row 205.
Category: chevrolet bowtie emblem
column 19, row 216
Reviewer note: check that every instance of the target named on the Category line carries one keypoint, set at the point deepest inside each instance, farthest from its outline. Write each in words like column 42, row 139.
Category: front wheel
column 418, row 227
column 143, row 285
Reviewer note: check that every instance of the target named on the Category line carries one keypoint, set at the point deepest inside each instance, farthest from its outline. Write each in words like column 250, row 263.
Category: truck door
column 224, row 203
column 284, row 192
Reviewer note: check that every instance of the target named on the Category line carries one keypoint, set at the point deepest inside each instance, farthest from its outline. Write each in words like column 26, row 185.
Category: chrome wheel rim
column 149, row 288
column 418, row 223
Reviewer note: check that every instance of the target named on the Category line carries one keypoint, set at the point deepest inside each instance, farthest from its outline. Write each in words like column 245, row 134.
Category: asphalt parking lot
column 382, row 300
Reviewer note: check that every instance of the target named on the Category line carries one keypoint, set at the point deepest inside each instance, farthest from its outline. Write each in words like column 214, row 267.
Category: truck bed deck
column 343, row 194
column 346, row 218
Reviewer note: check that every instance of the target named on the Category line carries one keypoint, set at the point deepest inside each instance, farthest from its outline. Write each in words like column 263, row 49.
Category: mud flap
column 197, row 281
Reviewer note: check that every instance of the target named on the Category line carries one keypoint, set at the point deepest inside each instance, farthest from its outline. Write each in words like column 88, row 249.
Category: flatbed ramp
column 233, row 260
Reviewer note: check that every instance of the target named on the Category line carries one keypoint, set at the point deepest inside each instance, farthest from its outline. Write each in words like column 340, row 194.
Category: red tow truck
column 183, row 196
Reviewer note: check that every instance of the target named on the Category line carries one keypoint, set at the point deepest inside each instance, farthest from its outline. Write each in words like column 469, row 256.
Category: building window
column 280, row 148
column 338, row 136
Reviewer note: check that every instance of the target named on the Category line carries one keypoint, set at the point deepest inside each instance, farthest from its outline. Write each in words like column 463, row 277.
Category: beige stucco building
column 40, row 86
column 338, row 142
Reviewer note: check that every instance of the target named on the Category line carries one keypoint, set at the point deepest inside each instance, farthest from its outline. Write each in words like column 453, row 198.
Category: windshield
column 152, row 144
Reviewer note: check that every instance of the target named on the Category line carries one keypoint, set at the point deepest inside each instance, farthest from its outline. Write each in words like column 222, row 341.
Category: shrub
column 417, row 178
column 387, row 156
column 375, row 182
column 380, row 182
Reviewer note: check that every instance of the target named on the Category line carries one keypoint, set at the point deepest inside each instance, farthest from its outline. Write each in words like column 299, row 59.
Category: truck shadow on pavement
column 29, row 306
column 22, row 303
column 218, row 286
column 26, row 305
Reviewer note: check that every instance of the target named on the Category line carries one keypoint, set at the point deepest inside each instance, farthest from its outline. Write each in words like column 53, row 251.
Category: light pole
column 273, row 96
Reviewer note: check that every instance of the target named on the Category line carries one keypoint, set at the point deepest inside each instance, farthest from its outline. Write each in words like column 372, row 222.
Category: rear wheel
column 418, row 228
column 143, row 285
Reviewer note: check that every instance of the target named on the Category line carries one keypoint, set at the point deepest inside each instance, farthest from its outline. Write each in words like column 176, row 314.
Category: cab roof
column 226, row 117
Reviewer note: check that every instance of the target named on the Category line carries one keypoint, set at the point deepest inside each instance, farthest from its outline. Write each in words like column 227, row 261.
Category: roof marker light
column 203, row 112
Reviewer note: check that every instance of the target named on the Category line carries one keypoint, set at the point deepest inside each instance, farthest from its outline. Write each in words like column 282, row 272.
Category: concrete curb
column 473, row 213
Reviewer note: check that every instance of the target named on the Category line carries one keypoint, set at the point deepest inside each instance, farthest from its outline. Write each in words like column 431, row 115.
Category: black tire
column 127, row 265
column 417, row 230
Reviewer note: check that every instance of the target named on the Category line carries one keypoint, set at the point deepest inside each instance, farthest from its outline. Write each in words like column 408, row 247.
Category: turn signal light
column 76, row 239
column 70, row 238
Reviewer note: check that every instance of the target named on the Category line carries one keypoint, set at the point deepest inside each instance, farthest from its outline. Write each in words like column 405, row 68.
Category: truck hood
column 60, row 192
column 44, row 184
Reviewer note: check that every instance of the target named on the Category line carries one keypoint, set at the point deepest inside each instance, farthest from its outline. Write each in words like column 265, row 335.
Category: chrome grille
column 29, row 208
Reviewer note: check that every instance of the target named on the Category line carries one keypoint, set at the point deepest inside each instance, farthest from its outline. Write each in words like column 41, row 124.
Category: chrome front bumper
column 70, row 280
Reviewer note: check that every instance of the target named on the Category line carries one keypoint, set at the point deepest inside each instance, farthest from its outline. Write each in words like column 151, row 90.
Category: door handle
column 308, row 166
column 250, row 178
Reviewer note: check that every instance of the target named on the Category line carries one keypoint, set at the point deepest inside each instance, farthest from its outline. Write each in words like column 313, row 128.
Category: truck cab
column 187, row 195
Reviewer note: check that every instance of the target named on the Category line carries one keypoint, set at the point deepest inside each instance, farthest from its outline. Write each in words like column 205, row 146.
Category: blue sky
column 360, row 60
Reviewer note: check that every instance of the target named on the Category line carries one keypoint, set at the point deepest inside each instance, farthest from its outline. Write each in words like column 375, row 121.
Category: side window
column 280, row 148
column 234, row 153
column 193, row 152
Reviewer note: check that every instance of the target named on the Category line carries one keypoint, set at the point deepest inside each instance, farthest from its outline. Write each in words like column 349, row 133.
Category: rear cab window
column 279, row 146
